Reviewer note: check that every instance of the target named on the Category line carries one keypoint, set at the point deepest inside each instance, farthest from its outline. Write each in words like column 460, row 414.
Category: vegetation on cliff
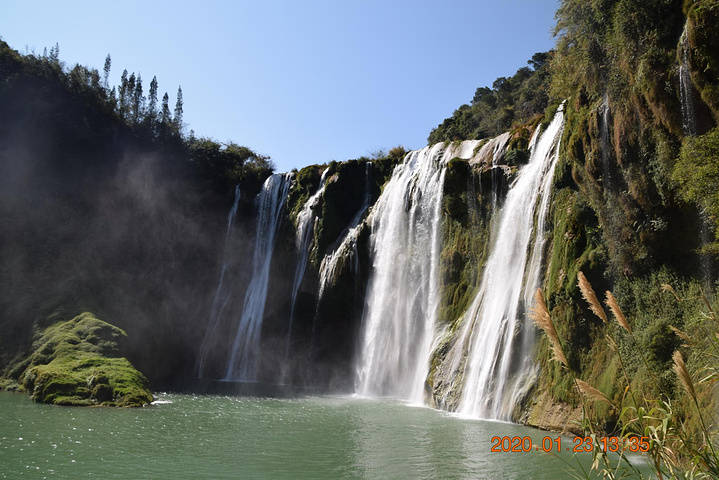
column 673, row 425
column 510, row 102
column 634, row 204
column 632, row 194
column 697, row 176
column 621, row 144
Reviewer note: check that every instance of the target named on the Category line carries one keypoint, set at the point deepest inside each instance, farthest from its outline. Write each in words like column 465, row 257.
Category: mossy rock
column 518, row 147
column 307, row 181
column 77, row 362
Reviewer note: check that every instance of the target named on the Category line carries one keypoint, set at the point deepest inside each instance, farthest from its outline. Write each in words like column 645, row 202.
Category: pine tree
column 177, row 120
column 106, row 73
column 113, row 99
column 130, row 97
column 151, row 116
column 138, row 101
column 55, row 55
column 165, row 125
column 122, row 94
column 165, row 119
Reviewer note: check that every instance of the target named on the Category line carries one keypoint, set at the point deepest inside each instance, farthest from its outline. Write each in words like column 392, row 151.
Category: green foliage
column 513, row 100
column 577, row 244
column 78, row 362
column 517, row 152
column 126, row 103
column 697, row 174
column 306, row 183
column 228, row 164
column 637, row 379
column 625, row 48
column 703, row 20
column 661, row 343
column 464, row 239
column 396, row 153
column 622, row 57
column 177, row 119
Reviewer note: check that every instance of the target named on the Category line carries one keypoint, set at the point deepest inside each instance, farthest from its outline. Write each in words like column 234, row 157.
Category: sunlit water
column 215, row 437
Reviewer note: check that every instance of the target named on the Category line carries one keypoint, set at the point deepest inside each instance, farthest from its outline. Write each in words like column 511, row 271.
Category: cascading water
column 605, row 145
column 403, row 292
column 686, row 88
column 305, row 227
column 222, row 294
column 689, row 125
column 270, row 204
column 499, row 368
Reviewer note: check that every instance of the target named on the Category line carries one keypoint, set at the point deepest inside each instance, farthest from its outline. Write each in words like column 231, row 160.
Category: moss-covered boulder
column 78, row 362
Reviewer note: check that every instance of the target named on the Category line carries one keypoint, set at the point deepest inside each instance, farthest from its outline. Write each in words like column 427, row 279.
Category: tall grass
column 680, row 434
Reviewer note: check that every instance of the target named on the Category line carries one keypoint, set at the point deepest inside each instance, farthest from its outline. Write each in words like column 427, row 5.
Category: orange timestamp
column 579, row 444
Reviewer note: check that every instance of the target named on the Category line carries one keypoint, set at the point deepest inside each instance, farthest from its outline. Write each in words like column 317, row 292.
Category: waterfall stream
column 403, row 291
column 270, row 204
column 689, row 125
column 605, row 143
column 499, row 367
column 303, row 238
column 686, row 88
column 492, row 354
column 222, row 294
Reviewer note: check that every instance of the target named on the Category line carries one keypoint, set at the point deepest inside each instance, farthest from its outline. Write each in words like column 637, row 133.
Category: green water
column 215, row 437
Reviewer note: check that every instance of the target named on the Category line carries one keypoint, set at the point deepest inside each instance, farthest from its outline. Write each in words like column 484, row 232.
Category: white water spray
column 686, row 88
column 403, row 292
column 499, row 368
column 222, row 295
column 605, row 143
column 245, row 348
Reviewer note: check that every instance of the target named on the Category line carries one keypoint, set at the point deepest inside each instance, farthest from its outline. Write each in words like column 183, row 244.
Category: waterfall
column 270, row 204
column 222, row 294
column 689, row 125
column 499, row 367
column 686, row 88
column 605, row 144
column 403, row 291
column 305, row 228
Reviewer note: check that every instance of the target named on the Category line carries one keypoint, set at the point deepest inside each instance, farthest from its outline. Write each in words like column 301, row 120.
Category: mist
column 95, row 219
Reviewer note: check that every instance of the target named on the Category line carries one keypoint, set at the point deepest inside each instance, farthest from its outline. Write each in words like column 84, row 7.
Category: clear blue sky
column 302, row 81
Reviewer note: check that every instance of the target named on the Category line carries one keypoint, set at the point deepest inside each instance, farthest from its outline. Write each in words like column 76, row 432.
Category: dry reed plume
column 592, row 393
column 681, row 369
column 540, row 314
column 617, row 312
column 591, row 297
column 668, row 288
column 681, row 334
